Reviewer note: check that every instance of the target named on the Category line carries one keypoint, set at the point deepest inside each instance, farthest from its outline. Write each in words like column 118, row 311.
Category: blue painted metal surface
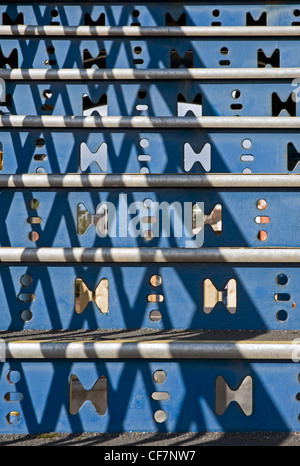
column 60, row 150
column 254, row 97
column 155, row 52
column 190, row 407
column 62, row 217
column 35, row 394
column 267, row 297
column 148, row 14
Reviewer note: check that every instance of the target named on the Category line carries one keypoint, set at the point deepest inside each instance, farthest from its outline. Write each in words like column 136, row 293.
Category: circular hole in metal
column 33, row 204
column 26, row 280
column 297, row 397
column 26, row 315
column 261, row 204
column 155, row 316
column 142, row 94
column 282, row 279
column 216, row 13
column 13, row 376
column 159, row 376
column 282, row 315
column 54, row 13
column 137, row 50
column 148, row 203
column 144, row 170
column 135, row 13
column 297, row 12
column 144, row 143
column 155, row 280
column 160, row 416
column 235, row 94
column 47, row 94
column 262, row 235
column 246, row 143
column 13, row 417
column 148, row 235
column 224, row 51
column 33, row 236
column 50, row 49
column 40, row 142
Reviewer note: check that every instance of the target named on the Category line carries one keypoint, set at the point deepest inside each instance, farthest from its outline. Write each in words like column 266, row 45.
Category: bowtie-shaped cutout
column 214, row 219
column 83, row 296
column 99, row 219
column 243, row 396
column 97, row 395
column 99, row 157
column 99, row 60
column 11, row 60
column 190, row 157
column 89, row 107
column 288, row 106
column 227, row 296
column 183, row 107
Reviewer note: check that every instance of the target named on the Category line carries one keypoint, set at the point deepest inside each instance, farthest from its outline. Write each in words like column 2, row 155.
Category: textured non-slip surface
column 170, row 440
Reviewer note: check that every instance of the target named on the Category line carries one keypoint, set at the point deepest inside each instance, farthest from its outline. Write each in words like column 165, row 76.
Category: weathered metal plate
column 191, row 406
column 48, row 150
column 148, row 14
column 142, row 53
column 124, row 217
column 157, row 296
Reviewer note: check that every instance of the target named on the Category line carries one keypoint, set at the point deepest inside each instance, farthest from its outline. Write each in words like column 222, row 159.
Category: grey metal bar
column 101, row 180
column 70, row 74
column 272, row 350
column 148, row 255
column 148, row 31
column 216, row 122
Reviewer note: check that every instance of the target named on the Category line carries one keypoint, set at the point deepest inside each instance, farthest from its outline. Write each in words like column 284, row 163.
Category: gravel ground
column 153, row 440
column 150, row 334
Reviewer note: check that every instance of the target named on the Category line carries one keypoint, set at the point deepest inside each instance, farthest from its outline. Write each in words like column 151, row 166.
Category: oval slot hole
column 149, row 220
column 34, row 220
column 247, row 158
column 262, row 219
column 13, row 396
column 26, row 297
column 47, row 107
column 160, row 396
column 40, row 157
column 144, row 158
column 155, row 298
column 141, row 107
column 282, row 297
column 236, row 106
